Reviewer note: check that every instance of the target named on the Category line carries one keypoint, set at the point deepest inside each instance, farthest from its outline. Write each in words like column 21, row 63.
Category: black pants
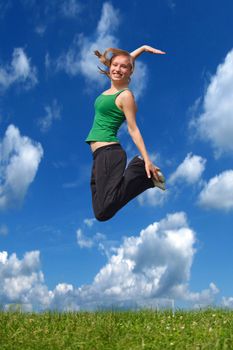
column 112, row 185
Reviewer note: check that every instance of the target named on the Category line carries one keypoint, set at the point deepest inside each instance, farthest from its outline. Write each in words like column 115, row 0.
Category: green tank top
column 108, row 119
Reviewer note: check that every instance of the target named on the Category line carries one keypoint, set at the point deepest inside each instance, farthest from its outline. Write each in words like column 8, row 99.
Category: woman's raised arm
column 146, row 48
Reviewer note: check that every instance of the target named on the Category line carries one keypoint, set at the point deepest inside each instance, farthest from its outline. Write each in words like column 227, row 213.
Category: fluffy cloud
column 200, row 299
column 83, row 241
column 19, row 71
column 19, row 160
column 80, row 58
column 227, row 302
column 152, row 264
column 97, row 240
column 215, row 124
column 89, row 222
column 190, row 170
column 88, row 242
column 53, row 112
column 139, row 78
column 22, row 282
column 149, row 267
column 153, row 197
column 143, row 270
column 3, row 257
column 218, row 192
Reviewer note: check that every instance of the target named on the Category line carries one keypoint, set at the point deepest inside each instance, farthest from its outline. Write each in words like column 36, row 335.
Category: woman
column 112, row 184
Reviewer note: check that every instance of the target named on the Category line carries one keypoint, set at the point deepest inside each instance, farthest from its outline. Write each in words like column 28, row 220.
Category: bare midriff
column 96, row 144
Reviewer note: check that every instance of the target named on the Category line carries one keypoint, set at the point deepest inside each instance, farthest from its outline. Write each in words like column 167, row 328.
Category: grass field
column 207, row 329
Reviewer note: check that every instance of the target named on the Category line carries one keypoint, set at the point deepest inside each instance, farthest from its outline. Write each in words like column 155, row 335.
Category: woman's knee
column 104, row 215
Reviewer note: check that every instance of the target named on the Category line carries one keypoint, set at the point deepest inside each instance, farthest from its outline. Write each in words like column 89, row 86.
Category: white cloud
column 80, row 57
column 218, row 192
column 215, row 124
column 53, row 112
column 22, row 282
column 227, row 302
column 151, row 264
column 70, row 8
column 190, row 170
column 109, row 19
column 88, row 242
column 139, row 78
column 204, row 298
column 83, row 241
column 19, row 71
column 89, row 222
column 144, row 269
column 153, row 197
column 3, row 257
column 19, row 160
column 149, row 267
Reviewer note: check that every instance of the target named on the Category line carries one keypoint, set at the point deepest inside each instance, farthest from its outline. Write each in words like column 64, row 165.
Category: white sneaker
column 161, row 183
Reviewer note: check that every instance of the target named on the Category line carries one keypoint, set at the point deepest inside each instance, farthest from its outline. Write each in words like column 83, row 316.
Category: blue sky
column 167, row 246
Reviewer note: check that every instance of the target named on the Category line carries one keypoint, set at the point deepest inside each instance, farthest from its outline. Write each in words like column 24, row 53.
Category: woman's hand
column 151, row 49
column 151, row 169
column 145, row 48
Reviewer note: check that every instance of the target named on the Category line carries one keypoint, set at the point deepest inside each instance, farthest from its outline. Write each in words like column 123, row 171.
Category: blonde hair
column 107, row 61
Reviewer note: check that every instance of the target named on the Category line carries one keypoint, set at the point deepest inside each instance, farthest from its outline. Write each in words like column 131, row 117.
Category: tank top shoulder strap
column 120, row 91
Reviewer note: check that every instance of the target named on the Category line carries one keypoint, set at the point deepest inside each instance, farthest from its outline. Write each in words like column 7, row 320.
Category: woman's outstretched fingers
column 154, row 50
column 148, row 170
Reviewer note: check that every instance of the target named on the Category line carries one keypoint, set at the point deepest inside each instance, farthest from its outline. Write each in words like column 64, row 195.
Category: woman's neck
column 116, row 87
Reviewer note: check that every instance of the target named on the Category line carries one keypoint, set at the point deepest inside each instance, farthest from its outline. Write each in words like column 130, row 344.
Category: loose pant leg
column 112, row 185
column 107, row 172
column 135, row 181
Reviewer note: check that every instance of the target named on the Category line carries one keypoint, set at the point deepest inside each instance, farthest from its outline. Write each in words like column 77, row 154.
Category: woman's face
column 121, row 68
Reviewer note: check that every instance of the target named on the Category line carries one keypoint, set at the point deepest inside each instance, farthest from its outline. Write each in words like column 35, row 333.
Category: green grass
column 207, row 329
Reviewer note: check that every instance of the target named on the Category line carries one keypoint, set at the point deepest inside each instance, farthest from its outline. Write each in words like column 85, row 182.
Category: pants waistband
column 100, row 149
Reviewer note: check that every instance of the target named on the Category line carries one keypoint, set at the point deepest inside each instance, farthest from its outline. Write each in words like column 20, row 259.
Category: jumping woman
column 112, row 184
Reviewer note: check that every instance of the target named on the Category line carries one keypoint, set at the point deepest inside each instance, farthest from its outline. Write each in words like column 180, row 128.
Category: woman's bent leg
column 112, row 185
column 135, row 181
